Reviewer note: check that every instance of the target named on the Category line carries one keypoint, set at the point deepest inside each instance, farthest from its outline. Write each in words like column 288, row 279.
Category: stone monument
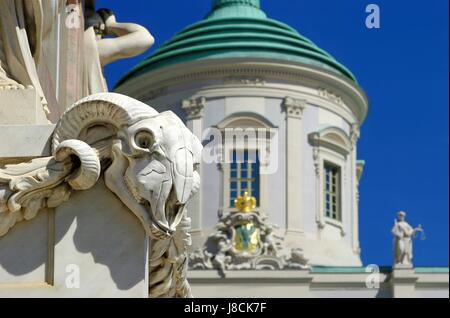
column 93, row 185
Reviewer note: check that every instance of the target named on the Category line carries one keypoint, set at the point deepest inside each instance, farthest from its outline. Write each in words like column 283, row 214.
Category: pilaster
column 194, row 121
column 294, row 164
column 403, row 282
column 354, row 136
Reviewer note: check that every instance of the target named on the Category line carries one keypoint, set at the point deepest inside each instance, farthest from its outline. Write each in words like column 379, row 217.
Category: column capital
column 294, row 107
column 194, row 107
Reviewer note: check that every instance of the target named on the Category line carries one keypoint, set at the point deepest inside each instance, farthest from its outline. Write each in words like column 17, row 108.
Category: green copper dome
column 238, row 29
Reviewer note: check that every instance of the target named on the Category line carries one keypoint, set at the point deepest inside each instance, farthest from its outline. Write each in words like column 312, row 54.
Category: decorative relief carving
column 194, row 107
column 155, row 93
column 258, row 81
column 316, row 159
column 294, row 107
column 322, row 92
column 245, row 240
column 317, row 166
column 148, row 160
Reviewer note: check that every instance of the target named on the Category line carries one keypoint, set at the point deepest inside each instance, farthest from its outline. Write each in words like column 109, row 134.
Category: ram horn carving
column 45, row 182
column 149, row 160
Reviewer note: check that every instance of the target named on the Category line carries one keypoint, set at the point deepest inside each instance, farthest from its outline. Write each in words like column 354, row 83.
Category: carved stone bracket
column 355, row 134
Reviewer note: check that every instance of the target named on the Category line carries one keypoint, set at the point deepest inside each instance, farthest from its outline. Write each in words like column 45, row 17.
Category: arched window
column 331, row 147
column 243, row 136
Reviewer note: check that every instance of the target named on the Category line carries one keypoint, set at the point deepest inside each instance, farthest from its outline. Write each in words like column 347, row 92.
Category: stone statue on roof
column 403, row 240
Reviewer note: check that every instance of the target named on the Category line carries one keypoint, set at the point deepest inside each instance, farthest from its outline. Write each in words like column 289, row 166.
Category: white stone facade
column 316, row 118
column 323, row 283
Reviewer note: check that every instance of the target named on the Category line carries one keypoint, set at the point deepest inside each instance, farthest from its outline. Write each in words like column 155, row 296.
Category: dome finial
column 236, row 8
column 253, row 3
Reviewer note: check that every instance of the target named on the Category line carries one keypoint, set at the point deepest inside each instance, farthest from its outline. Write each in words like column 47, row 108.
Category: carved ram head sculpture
column 149, row 160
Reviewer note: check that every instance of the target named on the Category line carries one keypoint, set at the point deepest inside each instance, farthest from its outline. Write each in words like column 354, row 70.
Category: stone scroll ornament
column 148, row 160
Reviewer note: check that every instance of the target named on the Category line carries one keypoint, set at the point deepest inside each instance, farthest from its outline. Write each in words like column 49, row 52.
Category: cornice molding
column 255, row 73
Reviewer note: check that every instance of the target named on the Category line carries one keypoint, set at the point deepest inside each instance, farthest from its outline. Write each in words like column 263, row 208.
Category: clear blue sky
column 403, row 67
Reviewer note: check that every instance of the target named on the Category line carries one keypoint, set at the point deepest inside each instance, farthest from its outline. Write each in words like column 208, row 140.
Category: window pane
column 255, row 191
column 244, row 175
column 253, row 157
column 332, row 191
column 255, row 170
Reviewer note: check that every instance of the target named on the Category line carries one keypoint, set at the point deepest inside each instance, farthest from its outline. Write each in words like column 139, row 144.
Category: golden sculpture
column 247, row 237
column 246, row 234
column 245, row 203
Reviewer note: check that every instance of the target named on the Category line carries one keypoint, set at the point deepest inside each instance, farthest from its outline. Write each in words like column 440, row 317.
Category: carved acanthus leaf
column 28, row 187
column 46, row 182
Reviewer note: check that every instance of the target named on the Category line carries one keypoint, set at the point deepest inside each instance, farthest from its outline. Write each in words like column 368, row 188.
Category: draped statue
column 22, row 31
column 403, row 244
column 24, row 26
column 152, row 170
column 106, row 41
